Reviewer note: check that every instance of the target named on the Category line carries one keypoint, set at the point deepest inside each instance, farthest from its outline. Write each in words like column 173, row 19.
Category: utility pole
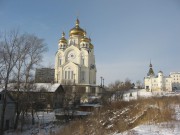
column 101, row 80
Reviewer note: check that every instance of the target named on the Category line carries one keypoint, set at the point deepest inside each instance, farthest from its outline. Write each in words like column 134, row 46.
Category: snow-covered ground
column 165, row 128
column 170, row 128
column 44, row 125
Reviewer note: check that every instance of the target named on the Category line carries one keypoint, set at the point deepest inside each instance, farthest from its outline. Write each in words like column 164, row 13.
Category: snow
column 110, row 126
column 91, row 105
column 37, row 87
column 54, row 87
column 76, row 113
column 135, row 93
column 158, row 129
column 165, row 128
column 170, row 128
column 44, row 125
column 48, row 86
column 1, row 89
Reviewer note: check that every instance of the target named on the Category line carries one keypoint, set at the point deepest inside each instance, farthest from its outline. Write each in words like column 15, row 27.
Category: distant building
column 44, row 75
column 175, row 80
column 157, row 83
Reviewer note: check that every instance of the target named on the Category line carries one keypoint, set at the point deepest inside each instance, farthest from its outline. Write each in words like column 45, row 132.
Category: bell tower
column 151, row 72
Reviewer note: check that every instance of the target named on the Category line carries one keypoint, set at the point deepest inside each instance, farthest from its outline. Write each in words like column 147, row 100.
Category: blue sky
column 126, row 33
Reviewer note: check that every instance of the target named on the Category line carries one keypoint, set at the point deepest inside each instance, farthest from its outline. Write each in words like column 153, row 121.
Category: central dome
column 76, row 30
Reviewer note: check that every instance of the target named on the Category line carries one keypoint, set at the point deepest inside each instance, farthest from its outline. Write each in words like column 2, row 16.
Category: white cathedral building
column 75, row 60
column 157, row 83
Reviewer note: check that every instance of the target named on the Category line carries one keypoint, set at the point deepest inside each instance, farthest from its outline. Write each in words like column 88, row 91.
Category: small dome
column 76, row 30
column 85, row 39
column 63, row 39
column 160, row 72
column 91, row 46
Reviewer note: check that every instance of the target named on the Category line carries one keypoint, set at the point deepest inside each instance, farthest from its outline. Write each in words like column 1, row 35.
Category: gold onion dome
column 63, row 39
column 76, row 30
column 85, row 39
column 91, row 46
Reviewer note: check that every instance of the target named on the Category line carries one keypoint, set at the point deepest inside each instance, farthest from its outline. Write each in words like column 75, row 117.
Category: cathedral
column 75, row 60
column 157, row 83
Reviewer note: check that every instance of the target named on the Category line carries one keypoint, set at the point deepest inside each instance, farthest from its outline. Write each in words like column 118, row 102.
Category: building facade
column 75, row 60
column 157, row 83
column 44, row 75
column 175, row 80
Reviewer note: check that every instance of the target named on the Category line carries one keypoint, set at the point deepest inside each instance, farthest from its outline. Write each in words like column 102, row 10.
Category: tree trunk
column 32, row 113
column 16, row 119
column 4, row 106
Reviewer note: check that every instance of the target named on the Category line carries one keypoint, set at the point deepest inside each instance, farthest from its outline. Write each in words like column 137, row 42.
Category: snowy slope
column 166, row 128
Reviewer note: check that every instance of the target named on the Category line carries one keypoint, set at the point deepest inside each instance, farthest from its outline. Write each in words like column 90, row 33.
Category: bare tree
column 22, row 50
column 119, row 87
column 128, row 84
column 138, row 84
column 116, row 86
column 33, row 58
column 35, row 54
column 9, row 58
column 19, row 53
column 73, row 94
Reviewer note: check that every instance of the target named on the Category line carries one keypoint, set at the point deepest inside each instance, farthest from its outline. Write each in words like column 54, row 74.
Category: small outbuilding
column 10, row 111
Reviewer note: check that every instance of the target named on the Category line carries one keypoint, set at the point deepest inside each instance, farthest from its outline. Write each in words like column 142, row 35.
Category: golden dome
column 85, row 39
column 91, row 46
column 76, row 30
column 63, row 39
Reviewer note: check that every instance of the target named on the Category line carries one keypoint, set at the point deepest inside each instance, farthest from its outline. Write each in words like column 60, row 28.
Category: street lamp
column 101, row 80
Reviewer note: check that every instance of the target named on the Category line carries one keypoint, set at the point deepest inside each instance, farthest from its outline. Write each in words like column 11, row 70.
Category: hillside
column 128, row 117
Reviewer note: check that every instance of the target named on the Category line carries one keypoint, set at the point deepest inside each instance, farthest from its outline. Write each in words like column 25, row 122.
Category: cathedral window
column 60, row 62
column 82, row 61
column 65, row 74
column 69, row 74
column 83, row 75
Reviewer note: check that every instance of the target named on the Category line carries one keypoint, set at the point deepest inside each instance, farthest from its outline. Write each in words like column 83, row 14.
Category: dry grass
column 121, row 116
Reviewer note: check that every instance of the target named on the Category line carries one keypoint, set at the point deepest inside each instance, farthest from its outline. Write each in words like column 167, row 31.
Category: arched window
column 82, row 75
column 60, row 62
column 82, row 58
column 68, row 74
column 83, row 61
